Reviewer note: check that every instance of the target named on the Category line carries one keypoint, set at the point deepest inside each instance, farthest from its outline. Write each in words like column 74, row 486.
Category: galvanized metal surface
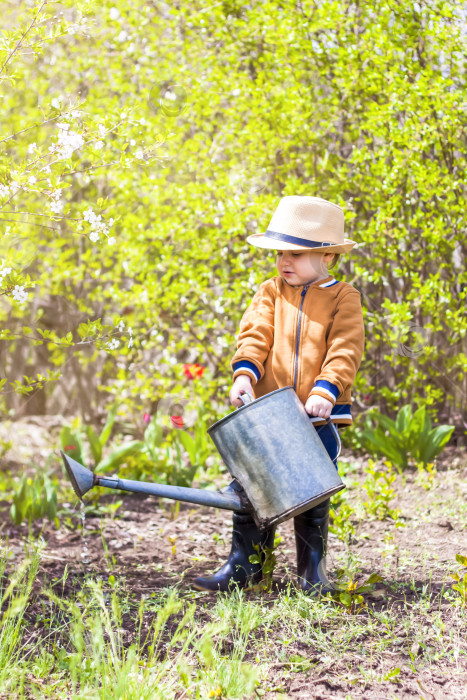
column 215, row 499
column 269, row 446
column 83, row 479
column 272, row 448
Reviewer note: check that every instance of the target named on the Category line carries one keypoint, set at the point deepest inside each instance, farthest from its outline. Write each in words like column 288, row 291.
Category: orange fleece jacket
column 311, row 337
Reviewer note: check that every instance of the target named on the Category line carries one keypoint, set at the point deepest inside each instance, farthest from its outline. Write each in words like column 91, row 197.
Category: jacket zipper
column 303, row 292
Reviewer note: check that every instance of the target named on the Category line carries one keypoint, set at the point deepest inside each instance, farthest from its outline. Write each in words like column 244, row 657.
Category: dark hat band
column 298, row 241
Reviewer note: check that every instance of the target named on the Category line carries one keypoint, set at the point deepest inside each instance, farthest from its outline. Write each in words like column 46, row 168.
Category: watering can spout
column 83, row 479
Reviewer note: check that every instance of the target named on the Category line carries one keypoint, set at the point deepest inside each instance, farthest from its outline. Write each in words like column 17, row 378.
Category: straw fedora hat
column 305, row 223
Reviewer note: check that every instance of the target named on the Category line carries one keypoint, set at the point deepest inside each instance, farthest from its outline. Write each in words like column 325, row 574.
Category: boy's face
column 297, row 267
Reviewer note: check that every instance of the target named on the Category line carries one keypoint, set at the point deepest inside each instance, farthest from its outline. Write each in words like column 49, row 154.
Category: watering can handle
column 336, row 434
column 243, row 398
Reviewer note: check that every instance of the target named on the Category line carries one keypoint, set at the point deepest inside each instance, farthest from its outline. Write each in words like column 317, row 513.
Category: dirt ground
column 151, row 547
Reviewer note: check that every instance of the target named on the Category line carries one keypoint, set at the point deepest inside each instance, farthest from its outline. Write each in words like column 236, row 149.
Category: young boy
column 304, row 329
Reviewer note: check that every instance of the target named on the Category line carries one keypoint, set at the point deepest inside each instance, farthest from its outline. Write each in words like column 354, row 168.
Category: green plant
column 341, row 521
column 410, row 436
column 460, row 578
column 166, row 460
column 349, row 593
column 34, row 498
column 166, row 453
column 426, row 475
column 266, row 555
column 15, row 591
column 378, row 488
column 78, row 440
column 198, row 446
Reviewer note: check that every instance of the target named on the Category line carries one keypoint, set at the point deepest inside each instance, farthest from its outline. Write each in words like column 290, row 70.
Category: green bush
column 127, row 194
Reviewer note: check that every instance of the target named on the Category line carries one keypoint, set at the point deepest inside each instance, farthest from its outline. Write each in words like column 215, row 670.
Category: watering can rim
column 242, row 408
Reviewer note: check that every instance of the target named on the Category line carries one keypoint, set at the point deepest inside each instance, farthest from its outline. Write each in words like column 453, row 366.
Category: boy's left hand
column 318, row 406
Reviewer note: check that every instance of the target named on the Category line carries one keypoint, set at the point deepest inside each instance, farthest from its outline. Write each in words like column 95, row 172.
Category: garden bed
column 407, row 640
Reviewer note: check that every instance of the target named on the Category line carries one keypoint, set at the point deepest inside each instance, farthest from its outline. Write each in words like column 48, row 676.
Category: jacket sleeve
column 345, row 345
column 256, row 334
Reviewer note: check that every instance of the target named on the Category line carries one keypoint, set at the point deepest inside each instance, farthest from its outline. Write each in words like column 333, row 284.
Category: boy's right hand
column 241, row 385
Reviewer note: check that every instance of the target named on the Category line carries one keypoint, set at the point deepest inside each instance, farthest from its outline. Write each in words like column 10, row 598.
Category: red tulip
column 70, row 447
column 177, row 421
column 146, row 417
column 193, row 371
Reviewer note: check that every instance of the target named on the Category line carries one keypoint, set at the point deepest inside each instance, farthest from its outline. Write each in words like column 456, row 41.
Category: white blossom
column 19, row 294
column 55, row 103
column 32, row 180
column 4, row 271
column 102, row 130
column 31, row 147
column 98, row 226
column 122, row 36
column 99, row 145
column 121, row 326
column 56, row 206
column 4, row 191
column 113, row 345
column 114, row 13
column 67, row 141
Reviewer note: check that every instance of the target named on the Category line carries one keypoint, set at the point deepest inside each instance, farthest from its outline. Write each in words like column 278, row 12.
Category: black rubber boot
column 238, row 570
column 311, row 535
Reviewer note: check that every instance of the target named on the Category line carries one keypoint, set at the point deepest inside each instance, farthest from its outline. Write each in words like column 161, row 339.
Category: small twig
column 31, row 223
column 7, row 60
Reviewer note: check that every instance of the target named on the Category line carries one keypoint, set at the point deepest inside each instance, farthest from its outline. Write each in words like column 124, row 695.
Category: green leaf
column 403, row 419
column 107, row 429
column 120, row 454
column 434, row 443
column 95, row 444
column 345, row 598
column 392, row 674
column 188, row 443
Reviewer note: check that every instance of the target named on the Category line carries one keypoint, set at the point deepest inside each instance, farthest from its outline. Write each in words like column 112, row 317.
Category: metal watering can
column 279, row 465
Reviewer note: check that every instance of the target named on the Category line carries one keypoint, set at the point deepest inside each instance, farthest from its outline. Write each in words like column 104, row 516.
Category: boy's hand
column 318, row 406
column 241, row 385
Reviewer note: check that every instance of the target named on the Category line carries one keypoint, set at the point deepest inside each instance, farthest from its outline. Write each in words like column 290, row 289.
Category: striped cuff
column 340, row 414
column 325, row 389
column 245, row 367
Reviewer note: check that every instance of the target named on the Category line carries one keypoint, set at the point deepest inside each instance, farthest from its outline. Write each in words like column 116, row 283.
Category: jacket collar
column 327, row 282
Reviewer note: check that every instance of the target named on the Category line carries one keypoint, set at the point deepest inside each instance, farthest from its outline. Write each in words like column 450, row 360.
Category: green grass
column 97, row 642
